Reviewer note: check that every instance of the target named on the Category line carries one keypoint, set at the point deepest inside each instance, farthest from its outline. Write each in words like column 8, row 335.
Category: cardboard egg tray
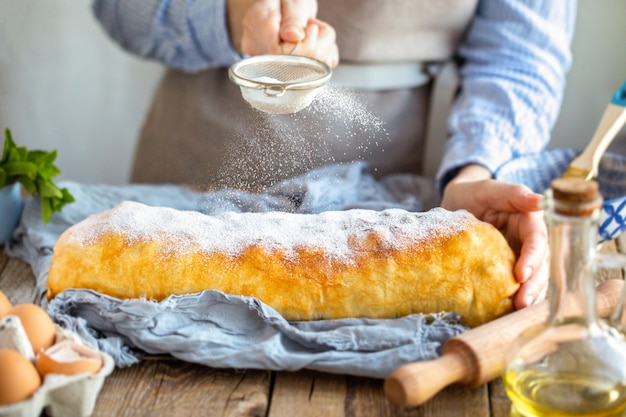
column 62, row 395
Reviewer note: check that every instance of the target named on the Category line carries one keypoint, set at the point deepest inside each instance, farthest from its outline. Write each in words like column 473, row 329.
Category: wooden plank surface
column 168, row 387
column 17, row 281
column 499, row 403
column 309, row 393
column 457, row 401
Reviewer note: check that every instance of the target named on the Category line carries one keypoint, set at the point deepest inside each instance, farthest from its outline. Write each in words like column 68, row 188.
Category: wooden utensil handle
column 612, row 121
column 478, row 355
column 415, row 383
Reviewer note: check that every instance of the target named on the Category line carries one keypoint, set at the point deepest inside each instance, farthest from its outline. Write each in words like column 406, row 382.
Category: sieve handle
column 282, row 47
column 274, row 90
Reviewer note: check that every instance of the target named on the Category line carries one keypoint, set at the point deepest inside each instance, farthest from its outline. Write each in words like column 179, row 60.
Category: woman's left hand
column 516, row 211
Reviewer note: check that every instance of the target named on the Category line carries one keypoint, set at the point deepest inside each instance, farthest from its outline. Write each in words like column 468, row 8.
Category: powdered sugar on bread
column 336, row 264
column 333, row 232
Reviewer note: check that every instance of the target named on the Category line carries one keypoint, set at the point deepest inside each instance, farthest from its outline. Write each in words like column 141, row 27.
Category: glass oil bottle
column 573, row 364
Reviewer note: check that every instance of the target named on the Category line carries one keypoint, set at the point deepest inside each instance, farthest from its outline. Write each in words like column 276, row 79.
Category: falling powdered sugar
column 335, row 234
column 350, row 105
column 337, row 127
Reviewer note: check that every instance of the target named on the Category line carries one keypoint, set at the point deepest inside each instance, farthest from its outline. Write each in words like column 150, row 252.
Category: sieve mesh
column 284, row 72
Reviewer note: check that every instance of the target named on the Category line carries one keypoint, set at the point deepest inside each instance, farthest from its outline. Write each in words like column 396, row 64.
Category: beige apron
column 200, row 131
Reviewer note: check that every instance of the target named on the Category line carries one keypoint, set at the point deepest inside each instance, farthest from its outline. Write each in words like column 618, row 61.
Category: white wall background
column 599, row 68
column 65, row 85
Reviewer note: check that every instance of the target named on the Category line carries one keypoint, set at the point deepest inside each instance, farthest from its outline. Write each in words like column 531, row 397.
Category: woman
column 512, row 56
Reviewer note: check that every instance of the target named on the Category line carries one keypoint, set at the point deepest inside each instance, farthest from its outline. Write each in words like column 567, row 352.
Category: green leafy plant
column 34, row 170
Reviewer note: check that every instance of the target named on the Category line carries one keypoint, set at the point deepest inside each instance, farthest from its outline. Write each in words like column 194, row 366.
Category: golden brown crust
column 356, row 263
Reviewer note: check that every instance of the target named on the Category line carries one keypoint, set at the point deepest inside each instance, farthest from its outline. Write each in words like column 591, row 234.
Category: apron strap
column 445, row 78
column 445, row 86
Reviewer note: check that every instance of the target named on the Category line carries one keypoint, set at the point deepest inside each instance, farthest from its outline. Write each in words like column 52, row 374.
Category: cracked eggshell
column 68, row 358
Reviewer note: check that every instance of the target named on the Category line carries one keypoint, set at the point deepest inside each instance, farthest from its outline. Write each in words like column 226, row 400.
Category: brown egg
column 18, row 377
column 37, row 324
column 68, row 358
column 5, row 304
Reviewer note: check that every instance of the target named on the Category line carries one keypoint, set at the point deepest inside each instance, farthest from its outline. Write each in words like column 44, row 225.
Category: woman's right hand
column 277, row 26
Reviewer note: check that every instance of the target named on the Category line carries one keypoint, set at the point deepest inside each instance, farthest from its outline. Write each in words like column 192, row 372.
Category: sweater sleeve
column 182, row 34
column 513, row 66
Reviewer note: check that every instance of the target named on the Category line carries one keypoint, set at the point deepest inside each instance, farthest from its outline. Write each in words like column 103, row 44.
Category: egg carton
column 64, row 395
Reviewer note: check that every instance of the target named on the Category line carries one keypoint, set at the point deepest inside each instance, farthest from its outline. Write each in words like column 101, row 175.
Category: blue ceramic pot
column 10, row 210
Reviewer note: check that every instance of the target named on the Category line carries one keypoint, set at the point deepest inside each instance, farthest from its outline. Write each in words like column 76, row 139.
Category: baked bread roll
column 354, row 263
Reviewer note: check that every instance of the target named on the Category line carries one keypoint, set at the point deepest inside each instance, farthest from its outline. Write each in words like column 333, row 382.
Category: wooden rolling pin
column 478, row 355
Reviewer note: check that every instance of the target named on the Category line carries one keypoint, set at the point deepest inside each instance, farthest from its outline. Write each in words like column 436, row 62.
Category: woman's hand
column 277, row 26
column 516, row 211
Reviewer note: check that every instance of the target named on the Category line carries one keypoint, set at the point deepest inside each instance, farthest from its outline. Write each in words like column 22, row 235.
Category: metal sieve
column 279, row 84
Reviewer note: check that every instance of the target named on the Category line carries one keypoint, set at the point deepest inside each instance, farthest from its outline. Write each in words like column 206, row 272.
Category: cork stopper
column 575, row 196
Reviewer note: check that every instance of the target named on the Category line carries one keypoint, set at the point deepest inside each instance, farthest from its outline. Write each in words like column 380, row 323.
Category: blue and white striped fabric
column 538, row 169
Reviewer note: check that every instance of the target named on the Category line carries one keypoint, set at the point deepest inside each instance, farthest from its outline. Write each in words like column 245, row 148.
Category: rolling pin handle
column 415, row 383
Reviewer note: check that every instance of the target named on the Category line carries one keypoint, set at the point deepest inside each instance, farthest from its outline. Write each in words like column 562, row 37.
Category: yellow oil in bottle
column 573, row 364
column 549, row 394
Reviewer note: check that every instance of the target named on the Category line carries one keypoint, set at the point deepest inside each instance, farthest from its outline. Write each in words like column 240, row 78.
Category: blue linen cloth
column 221, row 330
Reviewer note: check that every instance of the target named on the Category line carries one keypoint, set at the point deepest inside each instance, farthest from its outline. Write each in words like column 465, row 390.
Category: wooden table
column 168, row 387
